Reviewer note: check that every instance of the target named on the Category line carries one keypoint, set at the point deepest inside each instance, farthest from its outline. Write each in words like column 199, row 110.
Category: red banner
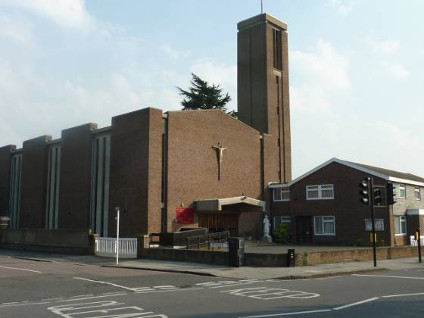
column 185, row 215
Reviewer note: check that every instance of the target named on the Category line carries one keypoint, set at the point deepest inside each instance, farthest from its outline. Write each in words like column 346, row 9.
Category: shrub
column 281, row 234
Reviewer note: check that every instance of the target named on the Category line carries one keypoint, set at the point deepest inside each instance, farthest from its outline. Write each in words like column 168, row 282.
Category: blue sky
column 355, row 69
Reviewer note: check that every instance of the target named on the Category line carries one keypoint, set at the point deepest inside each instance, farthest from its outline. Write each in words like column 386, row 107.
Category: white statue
column 267, row 226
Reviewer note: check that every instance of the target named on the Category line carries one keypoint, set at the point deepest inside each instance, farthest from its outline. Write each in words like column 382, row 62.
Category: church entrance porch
column 241, row 216
column 218, row 222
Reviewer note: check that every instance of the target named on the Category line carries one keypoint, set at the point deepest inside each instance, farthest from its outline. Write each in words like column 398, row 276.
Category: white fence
column 106, row 246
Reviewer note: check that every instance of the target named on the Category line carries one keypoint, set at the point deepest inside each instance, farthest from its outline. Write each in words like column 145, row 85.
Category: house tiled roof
column 391, row 173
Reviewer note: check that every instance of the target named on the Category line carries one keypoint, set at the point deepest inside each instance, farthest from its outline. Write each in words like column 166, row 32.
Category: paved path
column 322, row 270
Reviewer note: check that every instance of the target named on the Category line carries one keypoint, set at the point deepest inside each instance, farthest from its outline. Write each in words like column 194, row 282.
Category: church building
column 164, row 170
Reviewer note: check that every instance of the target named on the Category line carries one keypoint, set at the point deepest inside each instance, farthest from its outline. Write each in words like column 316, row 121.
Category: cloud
column 343, row 7
column 16, row 28
column 321, row 75
column 396, row 71
column 66, row 13
column 172, row 52
column 383, row 46
column 398, row 138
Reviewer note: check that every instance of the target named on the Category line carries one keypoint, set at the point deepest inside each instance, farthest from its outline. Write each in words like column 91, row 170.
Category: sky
column 355, row 68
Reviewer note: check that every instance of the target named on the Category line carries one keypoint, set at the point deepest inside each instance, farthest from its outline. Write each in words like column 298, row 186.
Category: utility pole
column 371, row 182
column 366, row 189
column 117, row 234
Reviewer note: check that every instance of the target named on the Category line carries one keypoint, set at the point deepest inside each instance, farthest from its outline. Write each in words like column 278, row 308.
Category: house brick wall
column 350, row 213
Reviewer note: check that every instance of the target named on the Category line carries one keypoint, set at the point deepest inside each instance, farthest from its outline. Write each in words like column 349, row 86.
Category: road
column 31, row 288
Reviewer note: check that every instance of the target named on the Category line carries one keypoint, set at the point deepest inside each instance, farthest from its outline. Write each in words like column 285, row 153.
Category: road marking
column 387, row 276
column 21, row 269
column 288, row 313
column 266, row 293
column 105, row 283
column 332, row 309
column 403, row 295
column 138, row 290
column 98, row 309
column 24, row 303
column 79, row 296
column 357, row 303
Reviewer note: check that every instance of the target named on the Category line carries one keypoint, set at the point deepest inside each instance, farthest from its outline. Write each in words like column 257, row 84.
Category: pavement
column 243, row 272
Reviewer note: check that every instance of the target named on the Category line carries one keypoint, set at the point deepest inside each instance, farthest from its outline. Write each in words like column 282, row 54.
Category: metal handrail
column 207, row 239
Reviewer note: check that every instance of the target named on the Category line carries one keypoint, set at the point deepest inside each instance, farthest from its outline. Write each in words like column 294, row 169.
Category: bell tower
column 263, row 82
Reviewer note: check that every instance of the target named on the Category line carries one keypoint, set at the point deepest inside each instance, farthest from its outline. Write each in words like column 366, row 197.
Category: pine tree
column 201, row 95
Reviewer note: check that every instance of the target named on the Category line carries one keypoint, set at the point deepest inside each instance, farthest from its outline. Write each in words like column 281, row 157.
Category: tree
column 201, row 95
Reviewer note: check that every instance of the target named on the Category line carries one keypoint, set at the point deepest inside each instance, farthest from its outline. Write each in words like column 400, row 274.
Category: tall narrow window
column 400, row 225
column 278, row 48
column 417, row 194
column 99, row 211
column 402, row 191
column 53, row 177
column 15, row 190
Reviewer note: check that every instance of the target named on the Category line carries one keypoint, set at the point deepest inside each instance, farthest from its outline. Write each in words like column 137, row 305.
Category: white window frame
column 284, row 219
column 402, row 220
column 417, row 197
column 325, row 219
column 281, row 191
column 402, row 186
column 320, row 188
column 379, row 225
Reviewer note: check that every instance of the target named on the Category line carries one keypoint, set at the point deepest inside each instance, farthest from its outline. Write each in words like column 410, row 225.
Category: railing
column 218, row 239
column 106, row 246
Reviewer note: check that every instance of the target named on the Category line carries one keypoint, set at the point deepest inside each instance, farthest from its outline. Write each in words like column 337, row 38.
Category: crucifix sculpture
column 220, row 153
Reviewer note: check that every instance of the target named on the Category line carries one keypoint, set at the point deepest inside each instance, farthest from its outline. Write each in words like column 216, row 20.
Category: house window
column 400, row 225
column 281, row 194
column 325, row 225
column 402, row 191
column 320, row 192
column 378, row 223
column 417, row 194
column 278, row 220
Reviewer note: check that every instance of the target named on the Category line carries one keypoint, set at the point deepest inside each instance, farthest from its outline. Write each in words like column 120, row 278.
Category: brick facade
column 151, row 164
column 350, row 214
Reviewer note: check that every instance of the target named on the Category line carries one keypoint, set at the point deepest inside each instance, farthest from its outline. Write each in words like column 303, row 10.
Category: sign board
column 185, row 215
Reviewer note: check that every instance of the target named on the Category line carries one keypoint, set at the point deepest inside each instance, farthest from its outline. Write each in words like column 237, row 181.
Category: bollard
column 418, row 238
column 291, row 257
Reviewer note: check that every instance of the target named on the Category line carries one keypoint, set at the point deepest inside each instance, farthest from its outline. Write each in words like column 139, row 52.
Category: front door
column 304, row 229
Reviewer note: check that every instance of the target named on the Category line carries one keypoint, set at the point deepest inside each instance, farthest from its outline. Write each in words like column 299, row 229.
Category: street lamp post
column 117, row 234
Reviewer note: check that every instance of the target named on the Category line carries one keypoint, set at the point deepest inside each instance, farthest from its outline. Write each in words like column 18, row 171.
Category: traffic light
column 391, row 194
column 364, row 191
column 377, row 196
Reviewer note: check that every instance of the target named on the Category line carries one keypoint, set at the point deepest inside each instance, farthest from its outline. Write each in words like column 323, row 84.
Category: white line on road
column 403, row 295
column 289, row 313
column 332, row 309
column 24, row 304
column 387, row 276
column 356, row 304
column 105, row 283
column 21, row 269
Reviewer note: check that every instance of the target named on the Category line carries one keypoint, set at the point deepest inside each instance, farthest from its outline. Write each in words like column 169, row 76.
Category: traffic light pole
column 374, row 250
